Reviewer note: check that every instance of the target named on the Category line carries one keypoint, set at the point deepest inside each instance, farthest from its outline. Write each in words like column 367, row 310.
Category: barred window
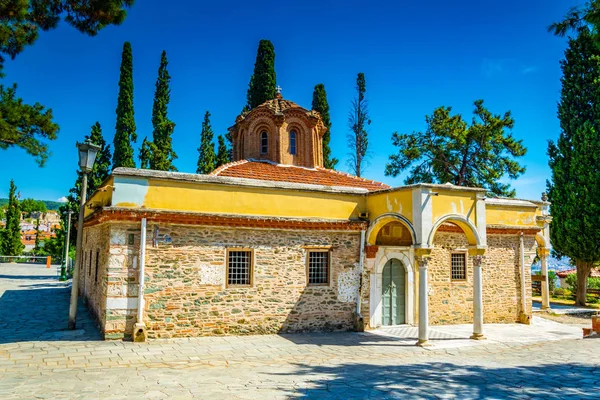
column 318, row 267
column 264, row 143
column 459, row 266
column 239, row 267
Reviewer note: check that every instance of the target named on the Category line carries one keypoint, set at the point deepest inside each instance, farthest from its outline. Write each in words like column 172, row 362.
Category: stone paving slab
column 47, row 363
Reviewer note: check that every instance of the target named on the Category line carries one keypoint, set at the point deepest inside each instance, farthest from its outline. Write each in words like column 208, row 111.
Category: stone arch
column 382, row 220
column 541, row 240
column 376, row 282
column 467, row 227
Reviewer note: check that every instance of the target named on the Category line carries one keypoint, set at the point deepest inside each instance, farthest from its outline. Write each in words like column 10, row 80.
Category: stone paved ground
column 45, row 362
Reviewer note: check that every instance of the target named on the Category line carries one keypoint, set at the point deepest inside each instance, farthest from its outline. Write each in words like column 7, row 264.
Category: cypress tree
column 145, row 154
column 263, row 81
column 223, row 155
column 320, row 104
column 575, row 186
column 100, row 172
column 358, row 120
column 162, row 154
column 125, row 127
column 206, row 158
column 10, row 243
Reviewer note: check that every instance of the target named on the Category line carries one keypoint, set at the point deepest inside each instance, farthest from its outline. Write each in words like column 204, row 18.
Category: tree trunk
column 583, row 271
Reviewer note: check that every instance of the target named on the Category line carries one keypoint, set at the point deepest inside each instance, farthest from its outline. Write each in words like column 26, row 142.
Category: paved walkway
column 340, row 365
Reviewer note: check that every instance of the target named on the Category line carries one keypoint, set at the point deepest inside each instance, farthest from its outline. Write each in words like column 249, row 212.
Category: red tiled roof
column 268, row 171
column 595, row 273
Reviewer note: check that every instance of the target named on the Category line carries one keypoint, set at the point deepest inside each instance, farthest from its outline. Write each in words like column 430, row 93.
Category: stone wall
column 451, row 302
column 92, row 278
column 186, row 292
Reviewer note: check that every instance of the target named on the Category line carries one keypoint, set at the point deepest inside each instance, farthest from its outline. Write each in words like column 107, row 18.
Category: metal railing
column 25, row 259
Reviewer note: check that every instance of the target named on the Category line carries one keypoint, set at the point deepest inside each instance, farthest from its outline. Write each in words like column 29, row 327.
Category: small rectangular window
column 90, row 266
column 97, row 257
column 459, row 266
column 239, row 267
column 318, row 267
column 264, row 143
column 293, row 143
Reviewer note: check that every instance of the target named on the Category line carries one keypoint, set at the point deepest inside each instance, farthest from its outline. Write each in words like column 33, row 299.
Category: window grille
column 318, row 267
column 264, row 143
column 459, row 266
column 293, row 142
column 239, row 268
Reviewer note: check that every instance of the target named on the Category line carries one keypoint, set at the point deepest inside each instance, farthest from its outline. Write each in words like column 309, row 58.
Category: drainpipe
column 358, row 321
column 522, row 256
column 139, row 330
column 360, row 269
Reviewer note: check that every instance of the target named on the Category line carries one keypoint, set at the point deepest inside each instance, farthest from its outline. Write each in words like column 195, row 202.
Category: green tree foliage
column 10, row 236
column 25, row 126
column 100, row 172
column 161, row 148
column 30, row 205
column 223, row 154
column 206, row 159
column 125, row 127
column 145, row 154
column 263, row 82
column 23, row 19
column 578, row 17
column 30, row 126
column 320, row 104
column 574, row 188
column 451, row 150
column 358, row 121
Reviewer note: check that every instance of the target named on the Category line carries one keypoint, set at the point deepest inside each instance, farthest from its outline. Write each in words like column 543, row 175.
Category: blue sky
column 416, row 56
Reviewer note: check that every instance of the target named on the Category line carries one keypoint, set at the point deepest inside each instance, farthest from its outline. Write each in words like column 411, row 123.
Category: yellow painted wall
column 223, row 199
column 399, row 202
column 461, row 203
column 101, row 198
column 511, row 216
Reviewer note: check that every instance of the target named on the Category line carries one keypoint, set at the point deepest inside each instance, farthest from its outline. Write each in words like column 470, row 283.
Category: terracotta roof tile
column 268, row 171
column 595, row 273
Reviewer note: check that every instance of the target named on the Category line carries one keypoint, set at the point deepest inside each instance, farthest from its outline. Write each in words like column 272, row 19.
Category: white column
column 477, row 299
column 545, row 282
column 423, row 302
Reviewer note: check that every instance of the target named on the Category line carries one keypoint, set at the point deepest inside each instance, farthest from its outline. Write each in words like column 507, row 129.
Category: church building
column 274, row 242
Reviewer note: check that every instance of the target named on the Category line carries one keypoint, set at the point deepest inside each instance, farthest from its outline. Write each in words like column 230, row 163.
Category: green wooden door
column 394, row 289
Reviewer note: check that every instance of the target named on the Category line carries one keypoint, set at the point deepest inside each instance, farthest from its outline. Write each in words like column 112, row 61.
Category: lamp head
column 87, row 155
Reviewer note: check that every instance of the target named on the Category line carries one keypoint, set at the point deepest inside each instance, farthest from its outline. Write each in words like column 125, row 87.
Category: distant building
column 562, row 275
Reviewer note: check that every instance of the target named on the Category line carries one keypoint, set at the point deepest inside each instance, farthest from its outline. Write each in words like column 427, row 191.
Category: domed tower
column 279, row 131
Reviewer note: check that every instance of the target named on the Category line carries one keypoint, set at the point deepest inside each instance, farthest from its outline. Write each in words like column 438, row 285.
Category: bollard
column 48, row 260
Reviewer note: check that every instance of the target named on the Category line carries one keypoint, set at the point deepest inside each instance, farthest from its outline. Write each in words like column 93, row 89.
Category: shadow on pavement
column 41, row 314
column 447, row 380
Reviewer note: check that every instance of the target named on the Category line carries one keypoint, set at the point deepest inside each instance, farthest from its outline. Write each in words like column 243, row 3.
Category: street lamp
column 63, row 268
column 87, row 156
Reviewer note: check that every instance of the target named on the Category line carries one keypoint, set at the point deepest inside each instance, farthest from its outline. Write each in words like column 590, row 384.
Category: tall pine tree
column 206, row 158
column 145, row 154
column 162, row 153
column 10, row 236
column 263, row 82
column 100, row 172
column 320, row 104
column 575, row 186
column 358, row 120
column 223, row 154
column 125, row 127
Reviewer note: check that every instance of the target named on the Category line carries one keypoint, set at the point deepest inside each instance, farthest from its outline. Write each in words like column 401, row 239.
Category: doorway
column 393, row 293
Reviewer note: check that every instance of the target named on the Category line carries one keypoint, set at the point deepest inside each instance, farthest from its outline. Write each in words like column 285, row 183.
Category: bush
column 560, row 291
column 593, row 283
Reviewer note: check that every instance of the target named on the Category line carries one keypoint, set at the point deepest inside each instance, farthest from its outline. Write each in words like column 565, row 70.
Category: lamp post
column 87, row 156
column 63, row 269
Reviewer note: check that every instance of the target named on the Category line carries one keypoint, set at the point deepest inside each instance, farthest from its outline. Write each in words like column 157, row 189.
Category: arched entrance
column 393, row 296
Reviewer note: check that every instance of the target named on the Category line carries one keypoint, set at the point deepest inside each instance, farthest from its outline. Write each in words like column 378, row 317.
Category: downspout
column 524, row 319
column 358, row 323
column 139, row 330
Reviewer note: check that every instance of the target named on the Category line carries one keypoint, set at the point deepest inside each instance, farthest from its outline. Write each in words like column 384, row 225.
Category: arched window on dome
column 264, row 143
column 293, row 143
